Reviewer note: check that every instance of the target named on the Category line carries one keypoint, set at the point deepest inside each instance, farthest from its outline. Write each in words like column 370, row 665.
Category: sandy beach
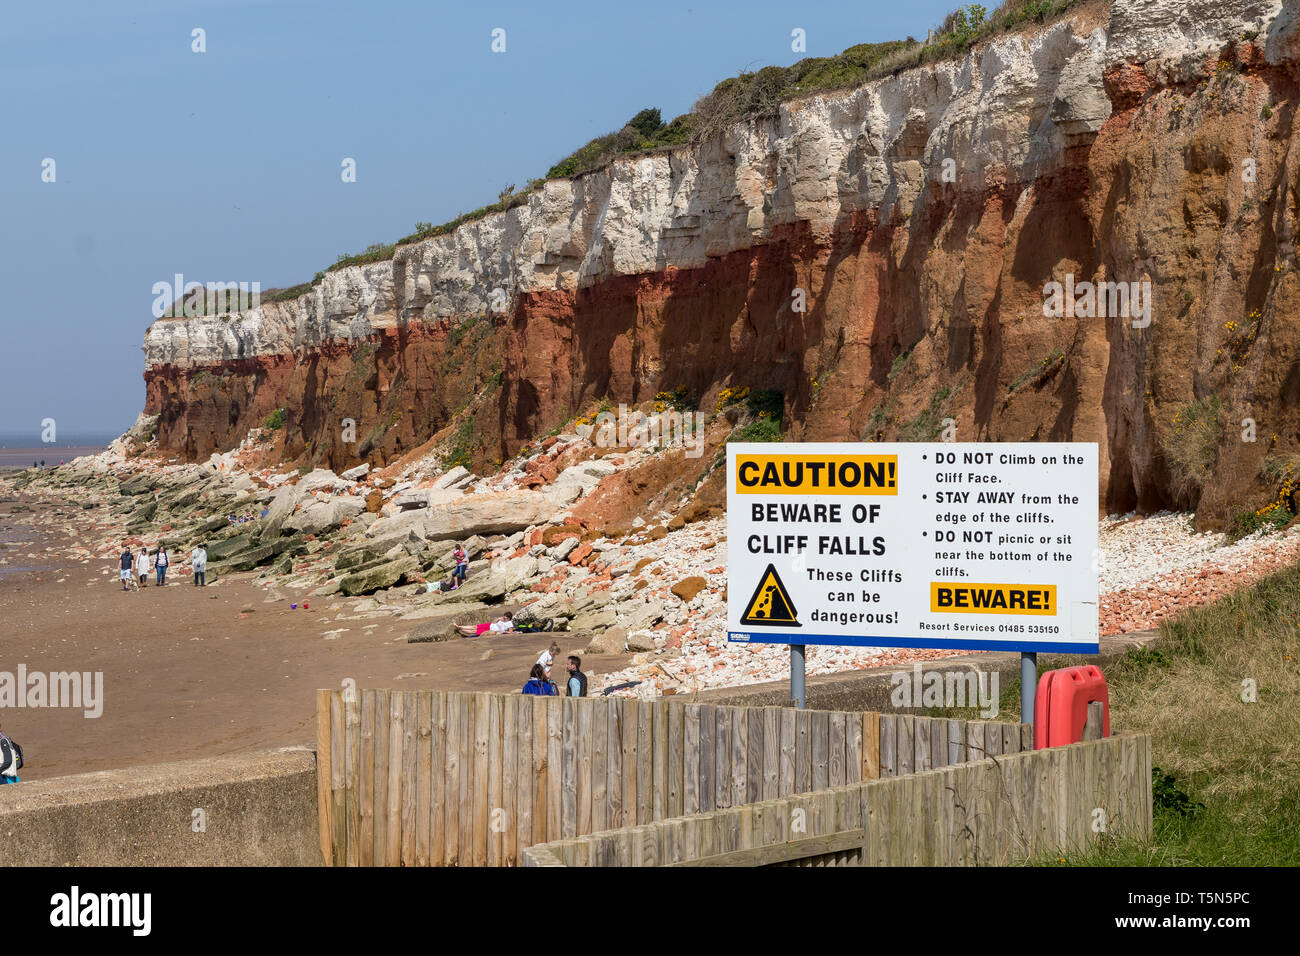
column 190, row 672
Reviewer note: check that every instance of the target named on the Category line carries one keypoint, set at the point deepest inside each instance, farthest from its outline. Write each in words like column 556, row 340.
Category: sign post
column 981, row 546
column 1028, row 685
column 798, row 695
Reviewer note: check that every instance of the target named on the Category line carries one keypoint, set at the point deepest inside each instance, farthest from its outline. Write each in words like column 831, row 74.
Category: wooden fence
column 427, row 778
column 989, row 811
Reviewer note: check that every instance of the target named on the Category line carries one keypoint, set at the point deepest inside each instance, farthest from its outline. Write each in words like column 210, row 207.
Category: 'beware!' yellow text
column 951, row 598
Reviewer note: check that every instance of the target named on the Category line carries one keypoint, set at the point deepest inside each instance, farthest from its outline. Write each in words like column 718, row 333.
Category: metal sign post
column 798, row 695
column 1028, row 686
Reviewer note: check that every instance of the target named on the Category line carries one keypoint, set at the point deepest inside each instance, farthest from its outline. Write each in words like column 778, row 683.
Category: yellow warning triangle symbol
column 771, row 605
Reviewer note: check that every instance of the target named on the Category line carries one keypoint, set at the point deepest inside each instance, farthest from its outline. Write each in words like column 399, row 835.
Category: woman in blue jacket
column 539, row 685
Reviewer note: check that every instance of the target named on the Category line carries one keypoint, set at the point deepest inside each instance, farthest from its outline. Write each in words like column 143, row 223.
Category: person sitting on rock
column 539, row 684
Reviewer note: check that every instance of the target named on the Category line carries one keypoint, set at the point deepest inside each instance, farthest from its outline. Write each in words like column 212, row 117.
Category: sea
column 16, row 456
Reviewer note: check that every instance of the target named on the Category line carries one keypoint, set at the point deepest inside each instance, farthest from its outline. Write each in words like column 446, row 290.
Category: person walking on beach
column 539, row 685
column 142, row 566
column 199, row 561
column 577, row 683
column 461, row 557
column 160, row 562
column 126, row 562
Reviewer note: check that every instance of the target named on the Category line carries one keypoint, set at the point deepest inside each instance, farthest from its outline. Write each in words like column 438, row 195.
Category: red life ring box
column 1061, row 705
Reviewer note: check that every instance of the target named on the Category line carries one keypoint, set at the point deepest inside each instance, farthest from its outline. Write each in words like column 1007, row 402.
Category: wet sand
column 186, row 676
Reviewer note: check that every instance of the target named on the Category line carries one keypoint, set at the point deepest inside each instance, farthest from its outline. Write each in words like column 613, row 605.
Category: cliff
column 920, row 216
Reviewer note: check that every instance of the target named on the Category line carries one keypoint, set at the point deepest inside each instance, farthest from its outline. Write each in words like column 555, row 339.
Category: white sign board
column 990, row 546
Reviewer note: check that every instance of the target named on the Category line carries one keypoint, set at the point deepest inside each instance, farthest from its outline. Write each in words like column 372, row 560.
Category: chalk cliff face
column 918, row 218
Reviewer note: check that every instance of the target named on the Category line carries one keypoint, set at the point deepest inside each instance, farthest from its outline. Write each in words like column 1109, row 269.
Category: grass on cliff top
column 749, row 93
column 1227, row 772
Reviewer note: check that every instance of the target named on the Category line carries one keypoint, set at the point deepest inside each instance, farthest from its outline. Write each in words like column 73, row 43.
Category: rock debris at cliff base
column 372, row 541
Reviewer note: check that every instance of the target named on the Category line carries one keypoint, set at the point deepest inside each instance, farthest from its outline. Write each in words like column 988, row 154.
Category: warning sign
column 990, row 546
column 770, row 604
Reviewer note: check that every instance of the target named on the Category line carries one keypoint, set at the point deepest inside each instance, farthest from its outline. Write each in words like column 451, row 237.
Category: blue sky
column 224, row 165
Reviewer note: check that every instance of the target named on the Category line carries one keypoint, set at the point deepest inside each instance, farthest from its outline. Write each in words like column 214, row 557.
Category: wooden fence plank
column 599, row 766
column 569, row 769
column 771, row 753
column 483, row 727
column 789, row 752
column 676, row 759
column 739, row 754
column 870, row 746
column 921, row 744
column 974, row 740
column 508, row 822
column 410, row 774
column 722, row 758
column 614, row 763
column 754, row 756
column 438, row 771
column 1010, row 738
column 353, row 774
column 992, row 739
column 324, row 778
column 820, row 744
column 383, row 728
column 691, row 759
column 645, row 763
column 392, row 846
column 906, row 744
column 424, row 719
column 708, row 766
column 956, row 742
column 938, row 742
column 366, row 789
column 803, row 751
column 383, row 732
column 854, row 759
column 888, row 741
column 338, row 778
column 453, row 757
column 631, row 713
column 554, row 707
column 838, row 748
column 659, row 742
column 585, row 757
column 521, row 834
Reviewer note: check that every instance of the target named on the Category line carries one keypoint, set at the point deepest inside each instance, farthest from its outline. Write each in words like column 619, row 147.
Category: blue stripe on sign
column 962, row 644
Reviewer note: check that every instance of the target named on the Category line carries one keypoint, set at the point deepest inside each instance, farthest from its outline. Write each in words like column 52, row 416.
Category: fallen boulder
column 382, row 576
column 612, row 641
